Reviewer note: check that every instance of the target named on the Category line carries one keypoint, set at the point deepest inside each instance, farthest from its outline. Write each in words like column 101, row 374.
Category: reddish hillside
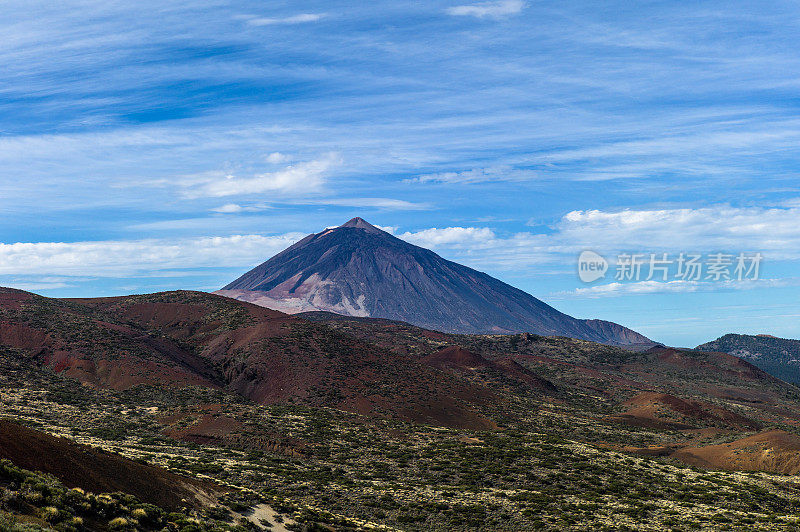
column 774, row 451
column 194, row 338
column 388, row 369
column 95, row 348
column 98, row 471
column 457, row 359
column 661, row 410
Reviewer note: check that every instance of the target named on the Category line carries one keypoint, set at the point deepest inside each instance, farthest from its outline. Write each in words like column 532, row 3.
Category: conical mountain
column 357, row 269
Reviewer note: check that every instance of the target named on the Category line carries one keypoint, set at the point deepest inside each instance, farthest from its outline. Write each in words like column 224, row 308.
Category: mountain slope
column 780, row 357
column 95, row 348
column 187, row 338
column 359, row 270
column 97, row 470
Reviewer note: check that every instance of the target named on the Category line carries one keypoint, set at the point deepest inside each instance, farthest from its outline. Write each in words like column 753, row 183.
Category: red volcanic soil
column 773, row 451
column 203, row 425
column 457, row 359
column 12, row 298
column 206, row 424
column 21, row 336
column 723, row 363
column 72, row 339
column 512, row 369
column 179, row 320
column 207, row 428
column 270, row 357
column 661, row 410
column 434, row 335
column 122, row 373
column 98, row 471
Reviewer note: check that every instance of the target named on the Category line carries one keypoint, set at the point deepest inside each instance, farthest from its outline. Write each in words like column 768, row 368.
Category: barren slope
column 359, row 270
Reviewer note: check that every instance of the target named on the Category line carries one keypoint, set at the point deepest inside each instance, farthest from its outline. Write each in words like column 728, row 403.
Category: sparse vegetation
column 594, row 454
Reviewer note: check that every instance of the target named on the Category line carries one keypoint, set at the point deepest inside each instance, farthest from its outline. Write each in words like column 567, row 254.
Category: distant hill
column 780, row 357
column 359, row 270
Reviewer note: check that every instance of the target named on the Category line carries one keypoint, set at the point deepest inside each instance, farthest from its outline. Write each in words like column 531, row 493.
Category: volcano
column 357, row 269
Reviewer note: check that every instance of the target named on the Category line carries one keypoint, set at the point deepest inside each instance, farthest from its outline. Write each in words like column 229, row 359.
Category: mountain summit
column 361, row 223
column 357, row 269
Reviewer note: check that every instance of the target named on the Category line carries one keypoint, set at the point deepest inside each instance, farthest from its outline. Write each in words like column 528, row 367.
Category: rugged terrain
column 194, row 338
column 777, row 356
column 359, row 270
column 321, row 420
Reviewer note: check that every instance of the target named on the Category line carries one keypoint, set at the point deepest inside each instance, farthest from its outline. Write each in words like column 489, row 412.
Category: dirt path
column 268, row 514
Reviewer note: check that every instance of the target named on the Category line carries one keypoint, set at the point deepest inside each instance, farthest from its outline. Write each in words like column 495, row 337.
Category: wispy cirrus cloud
column 136, row 257
column 617, row 289
column 299, row 18
column 32, row 283
column 391, row 204
column 303, row 178
column 232, row 208
column 497, row 9
column 477, row 175
column 378, row 203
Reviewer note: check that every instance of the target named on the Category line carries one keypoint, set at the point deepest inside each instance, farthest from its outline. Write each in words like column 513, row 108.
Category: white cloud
column 293, row 19
column 150, row 256
column 228, row 208
column 449, row 236
column 708, row 229
column 616, row 289
column 488, row 9
column 233, row 208
column 278, row 157
column 298, row 179
column 772, row 231
column 771, row 135
column 377, row 203
column 481, row 248
column 642, row 287
column 380, row 203
column 476, row 175
column 40, row 283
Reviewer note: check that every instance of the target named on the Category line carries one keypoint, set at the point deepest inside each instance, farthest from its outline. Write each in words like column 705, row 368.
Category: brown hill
column 661, row 388
column 194, row 338
column 514, row 370
column 773, row 451
column 98, row 471
column 270, row 357
column 458, row 359
column 662, row 410
column 383, row 368
column 94, row 348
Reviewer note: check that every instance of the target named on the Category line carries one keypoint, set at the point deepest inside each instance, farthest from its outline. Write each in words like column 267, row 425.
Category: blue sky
column 149, row 146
